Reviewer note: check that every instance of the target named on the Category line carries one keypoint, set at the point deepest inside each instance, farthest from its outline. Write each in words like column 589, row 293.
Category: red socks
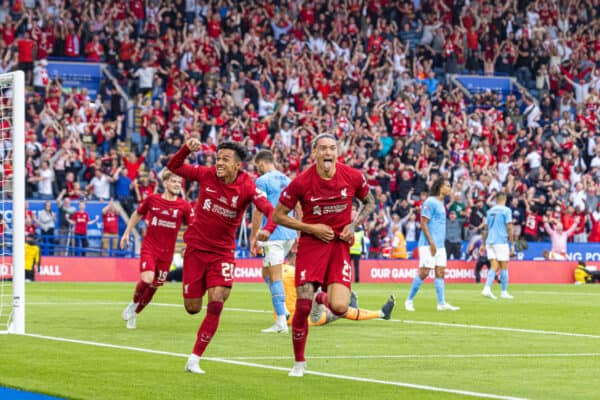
column 143, row 295
column 321, row 298
column 209, row 326
column 139, row 291
column 300, row 327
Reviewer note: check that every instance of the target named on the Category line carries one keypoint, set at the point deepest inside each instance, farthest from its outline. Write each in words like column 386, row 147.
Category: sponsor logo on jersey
column 223, row 199
column 317, row 210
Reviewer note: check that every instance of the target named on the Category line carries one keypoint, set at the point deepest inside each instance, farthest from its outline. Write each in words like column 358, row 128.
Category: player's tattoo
column 368, row 206
column 305, row 291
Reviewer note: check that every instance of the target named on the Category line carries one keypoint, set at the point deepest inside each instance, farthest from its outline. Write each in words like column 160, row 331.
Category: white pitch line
column 415, row 356
column 498, row 328
column 272, row 367
column 446, row 324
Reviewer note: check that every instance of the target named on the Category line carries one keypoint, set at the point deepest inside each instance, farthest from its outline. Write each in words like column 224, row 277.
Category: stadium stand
column 498, row 96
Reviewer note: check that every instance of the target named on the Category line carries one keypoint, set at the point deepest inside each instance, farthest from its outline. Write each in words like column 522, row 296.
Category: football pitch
column 544, row 344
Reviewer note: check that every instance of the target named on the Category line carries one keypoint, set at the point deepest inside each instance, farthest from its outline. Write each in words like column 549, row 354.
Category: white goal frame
column 16, row 322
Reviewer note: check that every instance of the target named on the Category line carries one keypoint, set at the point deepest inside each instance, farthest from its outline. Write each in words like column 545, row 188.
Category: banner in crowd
column 89, row 269
column 477, row 84
column 77, row 75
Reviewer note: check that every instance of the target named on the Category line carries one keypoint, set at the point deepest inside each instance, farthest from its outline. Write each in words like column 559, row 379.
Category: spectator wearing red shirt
column 80, row 220
column 94, row 50
column 26, row 46
column 110, row 227
column 72, row 40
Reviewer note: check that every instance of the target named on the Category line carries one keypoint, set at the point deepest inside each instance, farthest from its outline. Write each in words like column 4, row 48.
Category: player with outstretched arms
column 325, row 192
column 225, row 193
column 164, row 213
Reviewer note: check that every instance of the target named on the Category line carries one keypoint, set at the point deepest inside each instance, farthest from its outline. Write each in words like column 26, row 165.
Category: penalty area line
column 272, row 367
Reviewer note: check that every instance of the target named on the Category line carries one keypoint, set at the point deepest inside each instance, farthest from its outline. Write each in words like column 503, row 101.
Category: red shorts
column 149, row 262
column 203, row 270
column 324, row 263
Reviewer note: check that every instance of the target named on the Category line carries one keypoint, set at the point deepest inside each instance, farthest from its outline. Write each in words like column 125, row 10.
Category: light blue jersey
column 496, row 218
column 273, row 183
column 435, row 211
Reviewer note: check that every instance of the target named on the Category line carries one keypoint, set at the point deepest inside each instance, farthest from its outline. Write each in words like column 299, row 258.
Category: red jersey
column 81, row 219
column 164, row 218
column 110, row 223
column 323, row 201
column 532, row 223
column 220, row 207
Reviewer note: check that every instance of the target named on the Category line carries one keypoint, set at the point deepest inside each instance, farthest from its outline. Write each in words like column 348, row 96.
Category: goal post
column 12, row 135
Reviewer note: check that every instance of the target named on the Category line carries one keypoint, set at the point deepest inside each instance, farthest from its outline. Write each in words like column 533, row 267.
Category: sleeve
column 361, row 186
column 508, row 215
column 290, row 195
column 144, row 206
column 262, row 185
column 427, row 210
column 177, row 165
column 261, row 202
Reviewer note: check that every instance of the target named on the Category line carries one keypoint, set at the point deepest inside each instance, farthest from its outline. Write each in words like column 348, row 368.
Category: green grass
column 423, row 348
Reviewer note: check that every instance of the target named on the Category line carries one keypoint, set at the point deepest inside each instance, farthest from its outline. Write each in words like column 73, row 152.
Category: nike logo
column 155, row 208
column 315, row 198
column 210, row 190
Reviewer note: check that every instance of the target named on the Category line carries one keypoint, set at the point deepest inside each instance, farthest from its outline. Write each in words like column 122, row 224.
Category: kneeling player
column 320, row 314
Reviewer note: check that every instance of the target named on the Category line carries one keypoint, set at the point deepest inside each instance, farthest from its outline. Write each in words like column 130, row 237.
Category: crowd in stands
column 273, row 74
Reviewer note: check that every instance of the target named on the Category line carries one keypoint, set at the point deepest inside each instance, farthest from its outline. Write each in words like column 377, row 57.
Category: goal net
column 12, row 202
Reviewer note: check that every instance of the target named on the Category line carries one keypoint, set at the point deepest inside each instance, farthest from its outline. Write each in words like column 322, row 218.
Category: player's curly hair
column 436, row 186
column 240, row 151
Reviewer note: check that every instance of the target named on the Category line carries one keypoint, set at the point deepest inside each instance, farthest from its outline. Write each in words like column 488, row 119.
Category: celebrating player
column 225, row 193
column 164, row 214
column 325, row 192
column 276, row 249
column 432, row 253
column 497, row 237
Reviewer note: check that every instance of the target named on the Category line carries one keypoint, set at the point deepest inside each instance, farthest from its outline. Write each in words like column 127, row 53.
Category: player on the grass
column 208, row 264
column 164, row 213
column 325, row 191
column 432, row 253
column 276, row 249
column 497, row 237
column 321, row 314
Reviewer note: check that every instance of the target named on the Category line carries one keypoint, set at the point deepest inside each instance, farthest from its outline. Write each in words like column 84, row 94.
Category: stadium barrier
column 104, row 269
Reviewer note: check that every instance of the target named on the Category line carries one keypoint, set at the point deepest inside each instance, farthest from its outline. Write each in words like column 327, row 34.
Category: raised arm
column 177, row 162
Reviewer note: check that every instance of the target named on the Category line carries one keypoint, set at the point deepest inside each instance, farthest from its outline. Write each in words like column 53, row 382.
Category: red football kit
column 164, row 218
column 210, row 239
column 326, row 202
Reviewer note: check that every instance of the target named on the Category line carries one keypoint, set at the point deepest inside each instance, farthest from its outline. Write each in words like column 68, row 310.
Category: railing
column 70, row 245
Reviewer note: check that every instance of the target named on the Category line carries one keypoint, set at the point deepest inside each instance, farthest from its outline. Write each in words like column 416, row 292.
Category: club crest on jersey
column 344, row 193
column 234, row 201
column 317, row 210
column 303, row 275
column 175, row 213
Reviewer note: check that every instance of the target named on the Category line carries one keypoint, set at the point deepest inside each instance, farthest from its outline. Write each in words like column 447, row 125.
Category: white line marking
column 435, row 356
column 498, row 328
column 272, row 367
column 433, row 323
